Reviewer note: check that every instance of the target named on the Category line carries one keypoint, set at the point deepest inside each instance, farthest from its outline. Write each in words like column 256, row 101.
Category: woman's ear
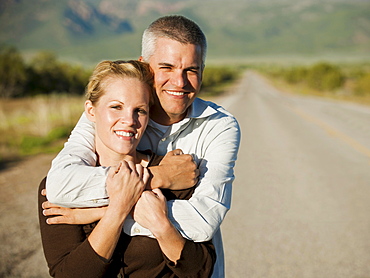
column 90, row 110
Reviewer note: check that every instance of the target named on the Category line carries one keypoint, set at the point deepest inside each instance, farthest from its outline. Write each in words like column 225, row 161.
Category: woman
column 118, row 97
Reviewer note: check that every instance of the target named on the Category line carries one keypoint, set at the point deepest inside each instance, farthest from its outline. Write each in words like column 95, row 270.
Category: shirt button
column 137, row 230
column 163, row 139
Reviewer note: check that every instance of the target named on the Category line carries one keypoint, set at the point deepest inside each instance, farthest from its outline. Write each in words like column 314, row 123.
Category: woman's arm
column 67, row 251
column 183, row 257
column 66, row 247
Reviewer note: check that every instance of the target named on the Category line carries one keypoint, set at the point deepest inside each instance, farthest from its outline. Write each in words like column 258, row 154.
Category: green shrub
column 362, row 85
column 45, row 74
column 216, row 76
column 324, row 76
column 295, row 75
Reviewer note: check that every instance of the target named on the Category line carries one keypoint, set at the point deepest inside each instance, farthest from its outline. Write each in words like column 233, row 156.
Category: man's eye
column 116, row 107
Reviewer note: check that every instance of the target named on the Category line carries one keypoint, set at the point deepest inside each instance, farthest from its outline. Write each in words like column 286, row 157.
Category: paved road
column 301, row 198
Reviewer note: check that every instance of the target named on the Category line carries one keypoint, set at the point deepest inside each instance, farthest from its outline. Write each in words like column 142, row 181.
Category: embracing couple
column 144, row 181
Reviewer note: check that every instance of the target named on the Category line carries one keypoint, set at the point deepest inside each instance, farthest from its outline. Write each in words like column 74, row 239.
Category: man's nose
column 179, row 79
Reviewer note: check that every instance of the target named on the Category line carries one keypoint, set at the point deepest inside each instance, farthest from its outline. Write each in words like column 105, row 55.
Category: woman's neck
column 115, row 159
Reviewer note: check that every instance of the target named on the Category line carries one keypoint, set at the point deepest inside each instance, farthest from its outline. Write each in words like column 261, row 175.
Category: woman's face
column 121, row 115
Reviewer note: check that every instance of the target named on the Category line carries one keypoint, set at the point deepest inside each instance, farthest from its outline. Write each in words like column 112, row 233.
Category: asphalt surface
column 301, row 198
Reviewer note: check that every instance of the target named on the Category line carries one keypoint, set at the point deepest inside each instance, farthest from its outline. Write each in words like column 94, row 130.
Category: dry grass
column 36, row 123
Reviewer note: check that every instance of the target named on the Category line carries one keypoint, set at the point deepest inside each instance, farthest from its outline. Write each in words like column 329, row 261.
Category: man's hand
column 61, row 215
column 176, row 171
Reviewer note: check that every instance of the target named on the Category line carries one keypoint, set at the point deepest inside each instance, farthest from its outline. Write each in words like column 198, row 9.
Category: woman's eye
column 142, row 111
column 116, row 107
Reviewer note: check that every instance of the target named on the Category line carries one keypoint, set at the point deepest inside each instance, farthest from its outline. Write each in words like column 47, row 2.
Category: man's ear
column 141, row 59
column 90, row 110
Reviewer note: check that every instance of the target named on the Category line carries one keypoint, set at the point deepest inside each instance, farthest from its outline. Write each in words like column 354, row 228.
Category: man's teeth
column 124, row 133
column 175, row 93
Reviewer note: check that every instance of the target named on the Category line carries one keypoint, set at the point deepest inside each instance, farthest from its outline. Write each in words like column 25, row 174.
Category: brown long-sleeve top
column 69, row 253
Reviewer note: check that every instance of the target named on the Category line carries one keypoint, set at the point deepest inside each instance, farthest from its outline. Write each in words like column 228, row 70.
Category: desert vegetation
column 349, row 82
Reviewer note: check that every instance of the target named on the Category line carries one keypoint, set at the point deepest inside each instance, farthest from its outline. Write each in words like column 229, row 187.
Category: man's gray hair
column 174, row 27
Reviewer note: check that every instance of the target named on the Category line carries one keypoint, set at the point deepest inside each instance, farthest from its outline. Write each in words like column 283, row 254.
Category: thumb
column 177, row 152
column 158, row 192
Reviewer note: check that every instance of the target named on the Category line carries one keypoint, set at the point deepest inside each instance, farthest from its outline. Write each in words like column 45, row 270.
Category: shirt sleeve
column 67, row 250
column 200, row 217
column 196, row 260
column 73, row 179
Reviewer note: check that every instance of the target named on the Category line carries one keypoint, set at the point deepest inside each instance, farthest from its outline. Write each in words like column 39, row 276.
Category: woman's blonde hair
column 108, row 69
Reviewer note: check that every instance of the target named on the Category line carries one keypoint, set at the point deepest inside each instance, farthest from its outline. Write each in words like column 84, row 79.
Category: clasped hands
column 176, row 171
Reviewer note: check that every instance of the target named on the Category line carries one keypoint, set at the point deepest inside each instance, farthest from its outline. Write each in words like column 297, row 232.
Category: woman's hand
column 125, row 183
column 150, row 210
column 151, row 213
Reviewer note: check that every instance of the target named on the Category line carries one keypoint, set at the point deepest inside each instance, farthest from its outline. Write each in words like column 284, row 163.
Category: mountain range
column 91, row 30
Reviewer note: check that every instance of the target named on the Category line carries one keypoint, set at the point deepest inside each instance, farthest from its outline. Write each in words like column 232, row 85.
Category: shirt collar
column 200, row 109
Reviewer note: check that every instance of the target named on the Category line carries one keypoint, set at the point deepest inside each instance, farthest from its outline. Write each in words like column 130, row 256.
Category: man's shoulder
column 211, row 109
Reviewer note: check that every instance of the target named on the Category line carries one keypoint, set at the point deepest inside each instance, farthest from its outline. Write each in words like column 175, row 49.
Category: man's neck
column 163, row 118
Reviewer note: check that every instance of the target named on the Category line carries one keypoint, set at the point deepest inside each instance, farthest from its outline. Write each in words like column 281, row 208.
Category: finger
column 132, row 166
column 139, row 170
column 52, row 211
column 158, row 193
column 146, row 175
column 43, row 192
column 57, row 220
column 124, row 167
column 47, row 205
column 177, row 152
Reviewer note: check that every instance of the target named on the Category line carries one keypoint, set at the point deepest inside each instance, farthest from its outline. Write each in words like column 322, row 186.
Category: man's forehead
column 171, row 52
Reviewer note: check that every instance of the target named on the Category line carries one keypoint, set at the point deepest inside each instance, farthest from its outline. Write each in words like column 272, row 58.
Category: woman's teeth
column 124, row 133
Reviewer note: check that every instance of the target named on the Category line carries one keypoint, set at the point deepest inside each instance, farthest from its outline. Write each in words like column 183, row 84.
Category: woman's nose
column 128, row 118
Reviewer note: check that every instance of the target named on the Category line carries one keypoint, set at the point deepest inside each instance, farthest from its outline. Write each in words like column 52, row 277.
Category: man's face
column 178, row 76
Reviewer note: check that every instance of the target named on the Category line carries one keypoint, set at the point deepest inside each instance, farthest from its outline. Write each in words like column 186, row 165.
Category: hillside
column 92, row 30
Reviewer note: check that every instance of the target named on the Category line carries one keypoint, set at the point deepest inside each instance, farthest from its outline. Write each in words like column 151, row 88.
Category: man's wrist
column 157, row 178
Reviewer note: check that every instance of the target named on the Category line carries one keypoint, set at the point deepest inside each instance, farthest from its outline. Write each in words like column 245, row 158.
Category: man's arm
column 200, row 217
column 74, row 180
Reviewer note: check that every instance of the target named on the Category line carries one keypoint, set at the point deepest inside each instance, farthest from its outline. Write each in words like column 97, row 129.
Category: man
column 175, row 48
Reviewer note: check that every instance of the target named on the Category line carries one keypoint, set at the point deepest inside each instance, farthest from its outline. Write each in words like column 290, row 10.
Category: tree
column 13, row 75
